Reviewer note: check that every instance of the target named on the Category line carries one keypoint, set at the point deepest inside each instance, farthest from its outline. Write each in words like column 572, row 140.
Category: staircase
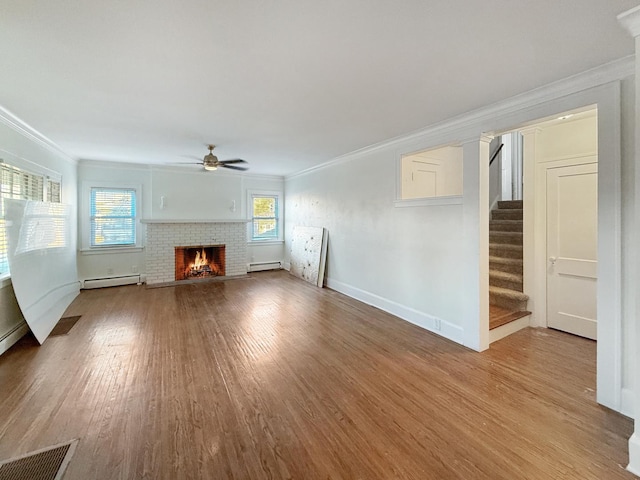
column 507, row 302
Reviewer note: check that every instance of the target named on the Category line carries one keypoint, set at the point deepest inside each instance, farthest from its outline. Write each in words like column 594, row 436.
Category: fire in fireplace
column 199, row 262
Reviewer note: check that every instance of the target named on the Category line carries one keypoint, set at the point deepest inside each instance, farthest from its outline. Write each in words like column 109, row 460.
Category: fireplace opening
column 202, row 261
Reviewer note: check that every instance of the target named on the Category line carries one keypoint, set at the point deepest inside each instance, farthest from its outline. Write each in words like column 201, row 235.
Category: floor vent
column 46, row 464
column 64, row 325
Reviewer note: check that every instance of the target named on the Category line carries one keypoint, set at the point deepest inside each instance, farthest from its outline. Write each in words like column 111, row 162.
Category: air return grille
column 46, row 464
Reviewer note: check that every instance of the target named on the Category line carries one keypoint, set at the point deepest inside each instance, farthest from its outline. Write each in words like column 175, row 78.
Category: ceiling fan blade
column 233, row 160
column 233, row 167
column 184, row 163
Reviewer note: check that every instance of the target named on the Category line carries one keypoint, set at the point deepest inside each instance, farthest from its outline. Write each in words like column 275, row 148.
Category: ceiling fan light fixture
column 210, row 168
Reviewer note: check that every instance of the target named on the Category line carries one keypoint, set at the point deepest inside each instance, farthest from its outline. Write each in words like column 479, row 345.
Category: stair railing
column 493, row 157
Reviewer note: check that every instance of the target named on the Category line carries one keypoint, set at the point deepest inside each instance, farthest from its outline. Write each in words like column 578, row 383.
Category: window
column 112, row 217
column 265, row 216
column 19, row 184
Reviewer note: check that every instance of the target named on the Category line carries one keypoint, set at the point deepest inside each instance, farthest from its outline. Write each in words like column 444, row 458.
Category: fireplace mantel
column 200, row 220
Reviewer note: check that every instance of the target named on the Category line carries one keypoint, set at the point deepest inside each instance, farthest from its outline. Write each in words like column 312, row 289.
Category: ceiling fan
column 211, row 162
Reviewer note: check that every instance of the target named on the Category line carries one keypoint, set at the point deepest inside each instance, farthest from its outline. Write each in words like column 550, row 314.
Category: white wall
column 407, row 260
column 409, row 257
column 189, row 194
column 24, row 148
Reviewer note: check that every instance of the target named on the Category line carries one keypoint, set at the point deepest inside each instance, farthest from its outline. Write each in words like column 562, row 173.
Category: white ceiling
column 283, row 84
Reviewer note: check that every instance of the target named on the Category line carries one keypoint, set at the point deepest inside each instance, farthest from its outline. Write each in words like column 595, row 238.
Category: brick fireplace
column 165, row 236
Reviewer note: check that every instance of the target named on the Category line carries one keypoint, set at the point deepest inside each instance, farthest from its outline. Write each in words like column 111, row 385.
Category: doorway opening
column 544, row 226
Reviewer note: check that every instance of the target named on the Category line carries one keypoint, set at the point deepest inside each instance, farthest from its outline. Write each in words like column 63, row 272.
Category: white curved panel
column 42, row 260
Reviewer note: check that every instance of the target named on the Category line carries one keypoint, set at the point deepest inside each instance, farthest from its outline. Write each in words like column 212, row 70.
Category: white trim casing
column 279, row 218
column 475, row 212
column 631, row 21
column 85, row 214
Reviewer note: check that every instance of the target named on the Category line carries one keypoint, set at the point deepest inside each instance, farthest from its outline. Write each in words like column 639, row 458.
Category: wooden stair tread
column 499, row 316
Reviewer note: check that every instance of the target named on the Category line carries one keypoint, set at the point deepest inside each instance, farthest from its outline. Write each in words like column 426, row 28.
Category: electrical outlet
column 438, row 324
column 134, row 268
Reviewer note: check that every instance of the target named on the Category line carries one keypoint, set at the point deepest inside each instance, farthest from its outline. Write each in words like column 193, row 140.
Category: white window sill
column 427, row 202
column 266, row 242
column 105, row 250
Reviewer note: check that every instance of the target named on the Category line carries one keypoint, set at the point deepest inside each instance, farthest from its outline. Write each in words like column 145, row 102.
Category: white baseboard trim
column 627, row 402
column 447, row 330
column 7, row 342
column 634, row 454
column 506, row 330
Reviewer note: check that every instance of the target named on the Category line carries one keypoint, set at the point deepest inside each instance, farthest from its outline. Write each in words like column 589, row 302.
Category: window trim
column 265, row 193
column 85, row 222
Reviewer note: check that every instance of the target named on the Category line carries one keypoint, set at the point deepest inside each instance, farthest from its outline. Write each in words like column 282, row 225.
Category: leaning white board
column 309, row 253
column 42, row 261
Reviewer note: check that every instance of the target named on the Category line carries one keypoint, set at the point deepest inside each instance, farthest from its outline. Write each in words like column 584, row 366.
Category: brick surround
column 162, row 238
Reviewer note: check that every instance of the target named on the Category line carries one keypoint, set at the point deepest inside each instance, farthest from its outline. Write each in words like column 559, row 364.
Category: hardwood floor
column 269, row 377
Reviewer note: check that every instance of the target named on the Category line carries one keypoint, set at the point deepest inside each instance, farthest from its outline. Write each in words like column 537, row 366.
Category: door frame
column 606, row 98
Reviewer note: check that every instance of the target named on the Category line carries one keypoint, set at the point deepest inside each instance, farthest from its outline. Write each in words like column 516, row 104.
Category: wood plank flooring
column 269, row 377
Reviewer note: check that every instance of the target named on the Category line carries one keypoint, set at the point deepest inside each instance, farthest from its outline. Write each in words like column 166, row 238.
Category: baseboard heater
column 111, row 282
column 260, row 266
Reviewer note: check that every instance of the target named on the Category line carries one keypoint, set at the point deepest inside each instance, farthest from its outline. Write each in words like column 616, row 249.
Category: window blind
column 53, row 191
column 16, row 183
column 113, row 216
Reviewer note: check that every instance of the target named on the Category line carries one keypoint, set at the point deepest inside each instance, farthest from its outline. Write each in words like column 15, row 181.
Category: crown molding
column 26, row 130
column 150, row 167
column 472, row 123
column 630, row 20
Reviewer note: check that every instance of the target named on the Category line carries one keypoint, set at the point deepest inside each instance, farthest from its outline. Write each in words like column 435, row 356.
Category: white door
column 425, row 179
column 572, row 238
column 420, row 179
